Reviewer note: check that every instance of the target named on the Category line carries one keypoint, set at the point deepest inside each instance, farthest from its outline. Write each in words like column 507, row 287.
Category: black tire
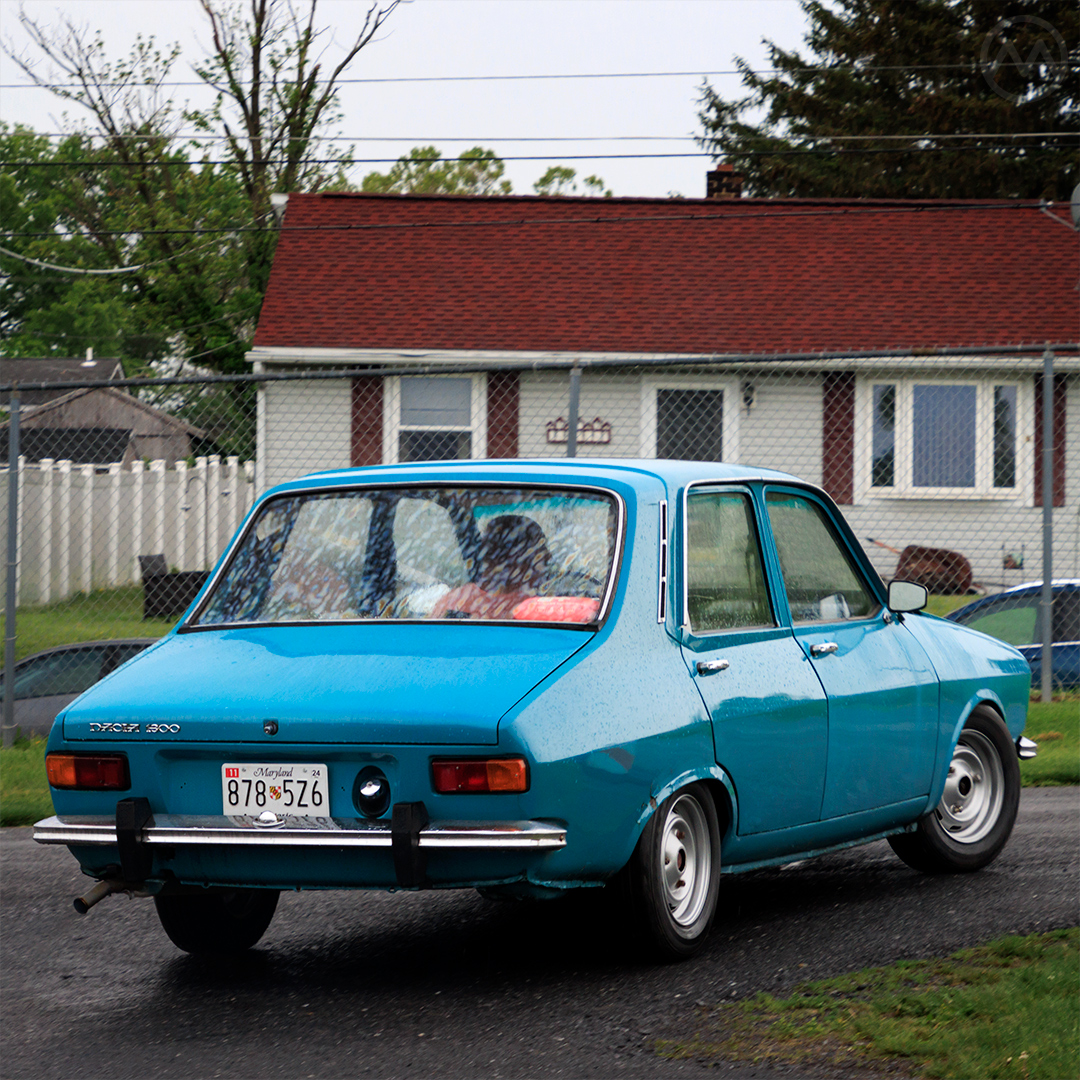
column 975, row 817
column 672, row 908
column 217, row 920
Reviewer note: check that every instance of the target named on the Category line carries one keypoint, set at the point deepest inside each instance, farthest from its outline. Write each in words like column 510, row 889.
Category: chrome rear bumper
column 317, row 832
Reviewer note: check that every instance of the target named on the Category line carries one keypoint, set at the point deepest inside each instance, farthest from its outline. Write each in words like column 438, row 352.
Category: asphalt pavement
column 448, row 984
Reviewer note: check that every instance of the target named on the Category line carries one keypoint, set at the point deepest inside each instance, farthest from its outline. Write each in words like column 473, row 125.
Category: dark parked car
column 49, row 680
column 528, row 677
column 1015, row 616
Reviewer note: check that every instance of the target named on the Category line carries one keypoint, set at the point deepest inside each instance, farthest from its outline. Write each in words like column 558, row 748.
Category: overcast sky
column 453, row 38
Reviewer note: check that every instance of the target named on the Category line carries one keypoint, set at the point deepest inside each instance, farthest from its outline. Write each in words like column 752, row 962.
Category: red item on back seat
column 575, row 609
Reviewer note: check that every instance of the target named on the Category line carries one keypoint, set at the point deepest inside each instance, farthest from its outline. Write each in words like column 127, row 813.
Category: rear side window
column 725, row 582
column 822, row 582
column 69, row 672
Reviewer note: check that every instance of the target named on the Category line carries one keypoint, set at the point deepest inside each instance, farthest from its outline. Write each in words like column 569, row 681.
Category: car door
column 768, row 709
column 881, row 686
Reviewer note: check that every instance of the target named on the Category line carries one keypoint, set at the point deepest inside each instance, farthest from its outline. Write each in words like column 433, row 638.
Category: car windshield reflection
column 466, row 553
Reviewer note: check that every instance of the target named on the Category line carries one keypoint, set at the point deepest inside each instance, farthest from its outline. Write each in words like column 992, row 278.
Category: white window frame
column 651, row 385
column 903, row 446
column 392, row 426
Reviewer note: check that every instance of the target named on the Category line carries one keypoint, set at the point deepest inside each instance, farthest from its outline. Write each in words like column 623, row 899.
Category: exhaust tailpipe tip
column 98, row 893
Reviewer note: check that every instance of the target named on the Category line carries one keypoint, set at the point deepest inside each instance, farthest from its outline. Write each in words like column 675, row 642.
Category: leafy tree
column 885, row 102
column 560, row 180
column 201, row 232
column 425, row 172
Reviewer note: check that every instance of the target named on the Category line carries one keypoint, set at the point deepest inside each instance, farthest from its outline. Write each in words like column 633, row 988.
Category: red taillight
column 88, row 772
column 480, row 777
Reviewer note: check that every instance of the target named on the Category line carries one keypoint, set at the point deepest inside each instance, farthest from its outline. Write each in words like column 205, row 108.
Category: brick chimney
column 723, row 182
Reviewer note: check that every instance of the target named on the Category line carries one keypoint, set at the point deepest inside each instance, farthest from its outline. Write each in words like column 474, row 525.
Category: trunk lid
column 356, row 684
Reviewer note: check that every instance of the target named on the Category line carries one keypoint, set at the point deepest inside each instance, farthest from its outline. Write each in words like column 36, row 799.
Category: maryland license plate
column 287, row 790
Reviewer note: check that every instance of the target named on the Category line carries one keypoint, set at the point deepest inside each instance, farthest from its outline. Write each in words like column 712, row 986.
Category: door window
column 822, row 582
column 725, row 581
column 1012, row 621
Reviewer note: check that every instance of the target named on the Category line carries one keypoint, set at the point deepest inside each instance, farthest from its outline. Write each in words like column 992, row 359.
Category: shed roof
column 667, row 276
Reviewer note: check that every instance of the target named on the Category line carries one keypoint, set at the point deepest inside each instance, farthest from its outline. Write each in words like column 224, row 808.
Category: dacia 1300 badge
column 532, row 677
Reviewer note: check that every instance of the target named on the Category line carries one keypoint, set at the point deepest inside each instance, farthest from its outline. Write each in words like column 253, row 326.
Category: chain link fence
column 129, row 491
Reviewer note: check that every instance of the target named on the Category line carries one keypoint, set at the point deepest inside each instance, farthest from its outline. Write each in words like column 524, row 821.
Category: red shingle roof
column 667, row 276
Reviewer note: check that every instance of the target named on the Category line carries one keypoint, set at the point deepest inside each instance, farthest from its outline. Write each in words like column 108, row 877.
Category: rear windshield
column 473, row 553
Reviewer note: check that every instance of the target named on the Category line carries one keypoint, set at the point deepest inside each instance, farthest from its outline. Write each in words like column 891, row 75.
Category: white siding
column 782, row 429
column 306, row 427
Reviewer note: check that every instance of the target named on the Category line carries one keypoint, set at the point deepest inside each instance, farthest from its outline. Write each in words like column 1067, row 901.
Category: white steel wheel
column 674, row 876
column 686, row 857
column 974, row 790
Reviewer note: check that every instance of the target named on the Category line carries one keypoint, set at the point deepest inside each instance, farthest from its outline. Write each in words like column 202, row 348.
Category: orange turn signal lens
column 480, row 777
column 88, row 772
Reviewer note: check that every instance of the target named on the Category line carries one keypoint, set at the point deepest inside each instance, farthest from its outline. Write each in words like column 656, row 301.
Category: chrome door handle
column 824, row 648
column 710, row 667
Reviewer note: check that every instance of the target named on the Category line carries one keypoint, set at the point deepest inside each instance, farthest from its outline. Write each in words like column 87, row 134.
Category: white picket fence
column 83, row 527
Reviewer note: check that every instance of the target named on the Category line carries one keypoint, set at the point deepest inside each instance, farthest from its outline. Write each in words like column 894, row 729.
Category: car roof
column 1028, row 588
column 87, row 645
column 635, row 472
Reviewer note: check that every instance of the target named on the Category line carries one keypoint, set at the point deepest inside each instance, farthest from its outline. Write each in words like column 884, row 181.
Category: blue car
column 532, row 677
column 1014, row 616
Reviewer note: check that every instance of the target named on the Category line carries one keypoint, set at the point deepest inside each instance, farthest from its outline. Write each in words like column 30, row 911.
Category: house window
column 927, row 437
column 434, row 418
column 692, row 420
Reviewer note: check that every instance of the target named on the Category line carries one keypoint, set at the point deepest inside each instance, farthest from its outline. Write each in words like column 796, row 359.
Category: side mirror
column 907, row 596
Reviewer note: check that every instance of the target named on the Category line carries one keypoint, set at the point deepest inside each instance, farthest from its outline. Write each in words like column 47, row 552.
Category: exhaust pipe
column 98, row 893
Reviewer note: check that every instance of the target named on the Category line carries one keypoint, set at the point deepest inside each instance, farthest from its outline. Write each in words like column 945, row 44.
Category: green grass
column 1003, row 1010
column 107, row 613
column 942, row 605
column 24, row 791
column 1055, row 726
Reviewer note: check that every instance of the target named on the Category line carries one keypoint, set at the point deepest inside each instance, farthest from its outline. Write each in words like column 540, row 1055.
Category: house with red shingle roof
column 873, row 347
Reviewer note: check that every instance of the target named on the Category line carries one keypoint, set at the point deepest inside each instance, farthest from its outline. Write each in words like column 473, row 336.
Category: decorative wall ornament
column 596, row 431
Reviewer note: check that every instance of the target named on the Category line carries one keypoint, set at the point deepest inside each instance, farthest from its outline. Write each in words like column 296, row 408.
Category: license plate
column 287, row 790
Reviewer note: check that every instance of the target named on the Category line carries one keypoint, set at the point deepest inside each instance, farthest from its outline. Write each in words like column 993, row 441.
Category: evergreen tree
column 910, row 99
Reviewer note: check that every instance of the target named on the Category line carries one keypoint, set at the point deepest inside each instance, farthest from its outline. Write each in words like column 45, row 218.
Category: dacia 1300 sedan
column 532, row 677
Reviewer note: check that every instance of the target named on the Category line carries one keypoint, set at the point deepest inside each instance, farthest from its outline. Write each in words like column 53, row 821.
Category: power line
column 767, row 72
column 350, row 161
column 194, row 137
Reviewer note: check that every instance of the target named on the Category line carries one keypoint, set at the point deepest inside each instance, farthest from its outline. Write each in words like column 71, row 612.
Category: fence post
column 65, row 528
column 1046, row 603
column 45, row 582
column 157, row 470
column 114, row 523
column 181, row 514
column 137, row 468
column 87, row 473
column 233, row 463
column 572, row 411
column 200, row 515
column 12, row 571
column 213, row 510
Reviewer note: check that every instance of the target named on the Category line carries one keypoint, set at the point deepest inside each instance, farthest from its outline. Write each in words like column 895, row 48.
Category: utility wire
column 69, row 269
column 351, row 161
column 194, row 137
column 765, row 73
